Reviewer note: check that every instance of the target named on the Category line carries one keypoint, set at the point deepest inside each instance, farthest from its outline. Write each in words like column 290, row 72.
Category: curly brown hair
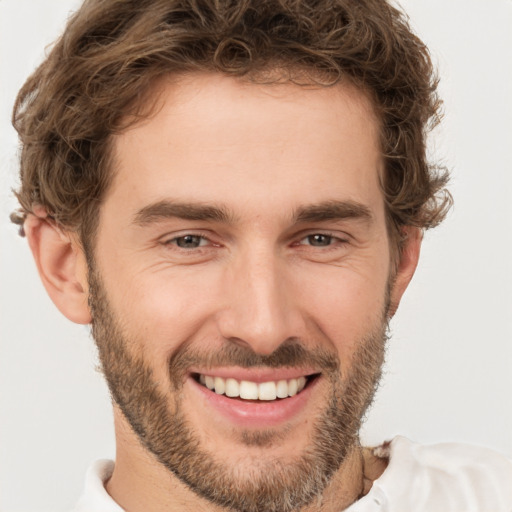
column 112, row 51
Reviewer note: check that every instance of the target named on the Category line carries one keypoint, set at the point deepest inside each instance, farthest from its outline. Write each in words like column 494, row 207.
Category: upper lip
column 255, row 374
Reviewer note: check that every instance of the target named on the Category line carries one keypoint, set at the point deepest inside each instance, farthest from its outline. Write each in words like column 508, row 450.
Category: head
column 233, row 191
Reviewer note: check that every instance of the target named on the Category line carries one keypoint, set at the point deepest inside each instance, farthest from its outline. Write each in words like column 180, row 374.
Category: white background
column 448, row 375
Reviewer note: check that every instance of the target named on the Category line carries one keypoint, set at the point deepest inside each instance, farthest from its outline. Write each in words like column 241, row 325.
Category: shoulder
column 451, row 477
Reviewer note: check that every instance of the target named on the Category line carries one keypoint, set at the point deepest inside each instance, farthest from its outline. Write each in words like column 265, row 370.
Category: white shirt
column 448, row 477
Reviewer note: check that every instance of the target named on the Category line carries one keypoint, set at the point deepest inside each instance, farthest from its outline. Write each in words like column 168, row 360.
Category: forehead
column 213, row 138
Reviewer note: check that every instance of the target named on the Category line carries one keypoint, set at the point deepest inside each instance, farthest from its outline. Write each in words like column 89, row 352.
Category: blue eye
column 189, row 241
column 319, row 240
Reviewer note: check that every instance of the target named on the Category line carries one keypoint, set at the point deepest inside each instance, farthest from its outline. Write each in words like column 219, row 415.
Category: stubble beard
column 264, row 485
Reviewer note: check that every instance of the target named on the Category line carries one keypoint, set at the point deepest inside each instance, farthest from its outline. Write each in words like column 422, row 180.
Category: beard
column 271, row 485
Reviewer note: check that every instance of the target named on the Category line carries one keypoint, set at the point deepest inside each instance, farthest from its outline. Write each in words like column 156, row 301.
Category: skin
column 258, row 279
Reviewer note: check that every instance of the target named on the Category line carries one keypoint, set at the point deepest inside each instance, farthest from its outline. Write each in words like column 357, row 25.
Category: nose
column 259, row 306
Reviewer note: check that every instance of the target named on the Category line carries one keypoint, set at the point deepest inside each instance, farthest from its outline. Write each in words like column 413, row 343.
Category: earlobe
column 407, row 263
column 61, row 265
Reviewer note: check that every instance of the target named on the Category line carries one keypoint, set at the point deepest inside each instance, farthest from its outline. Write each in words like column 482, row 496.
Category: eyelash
column 332, row 239
column 201, row 236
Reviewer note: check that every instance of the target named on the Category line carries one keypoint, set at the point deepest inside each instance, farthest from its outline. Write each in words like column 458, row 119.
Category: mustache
column 291, row 353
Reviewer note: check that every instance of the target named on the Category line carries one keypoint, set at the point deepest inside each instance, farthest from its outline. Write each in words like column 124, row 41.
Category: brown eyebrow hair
column 332, row 210
column 166, row 209
column 324, row 211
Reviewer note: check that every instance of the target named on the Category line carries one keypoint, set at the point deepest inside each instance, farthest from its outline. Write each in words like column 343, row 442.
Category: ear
column 409, row 254
column 61, row 265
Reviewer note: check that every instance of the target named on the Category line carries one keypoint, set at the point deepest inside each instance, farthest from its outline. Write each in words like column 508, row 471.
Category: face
column 240, row 285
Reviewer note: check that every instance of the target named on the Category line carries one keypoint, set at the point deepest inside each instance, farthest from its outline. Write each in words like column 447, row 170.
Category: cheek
column 346, row 306
column 161, row 311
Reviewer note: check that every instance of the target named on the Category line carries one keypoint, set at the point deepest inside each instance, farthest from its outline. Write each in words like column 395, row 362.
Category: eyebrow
column 167, row 209
column 334, row 210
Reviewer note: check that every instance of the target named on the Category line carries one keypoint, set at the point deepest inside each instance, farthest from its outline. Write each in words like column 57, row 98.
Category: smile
column 248, row 390
column 255, row 397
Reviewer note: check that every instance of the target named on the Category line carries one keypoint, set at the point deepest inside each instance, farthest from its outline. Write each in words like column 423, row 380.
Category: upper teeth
column 253, row 390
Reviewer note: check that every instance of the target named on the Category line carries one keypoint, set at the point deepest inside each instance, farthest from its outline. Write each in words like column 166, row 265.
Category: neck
column 140, row 483
column 345, row 487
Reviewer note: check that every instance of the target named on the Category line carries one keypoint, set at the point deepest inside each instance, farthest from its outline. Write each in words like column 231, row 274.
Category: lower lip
column 257, row 414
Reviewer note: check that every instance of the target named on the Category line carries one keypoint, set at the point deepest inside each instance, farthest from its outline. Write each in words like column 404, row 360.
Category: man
column 233, row 197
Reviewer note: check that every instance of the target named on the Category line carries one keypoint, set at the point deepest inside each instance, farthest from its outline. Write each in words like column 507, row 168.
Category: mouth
column 247, row 390
column 254, row 397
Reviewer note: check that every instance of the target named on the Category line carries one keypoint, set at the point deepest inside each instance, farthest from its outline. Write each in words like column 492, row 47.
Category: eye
column 318, row 240
column 322, row 242
column 189, row 241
